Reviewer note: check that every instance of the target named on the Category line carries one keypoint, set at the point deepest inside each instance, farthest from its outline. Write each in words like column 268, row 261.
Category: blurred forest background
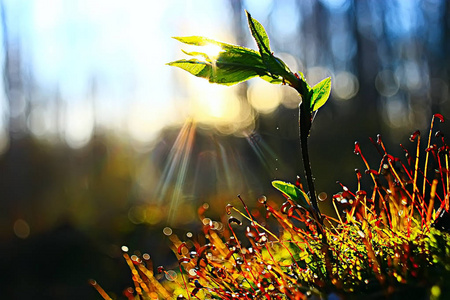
column 103, row 145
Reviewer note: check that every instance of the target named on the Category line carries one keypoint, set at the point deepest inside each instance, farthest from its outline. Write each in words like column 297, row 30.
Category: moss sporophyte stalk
column 389, row 241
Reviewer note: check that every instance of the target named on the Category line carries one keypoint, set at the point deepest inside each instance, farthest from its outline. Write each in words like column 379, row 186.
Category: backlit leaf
column 221, row 73
column 321, row 93
column 275, row 66
column 233, row 65
column 203, row 41
column 293, row 192
column 259, row 34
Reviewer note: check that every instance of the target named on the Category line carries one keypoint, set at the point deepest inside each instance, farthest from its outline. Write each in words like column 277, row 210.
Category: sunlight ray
column 175, row 169
column 264, row 153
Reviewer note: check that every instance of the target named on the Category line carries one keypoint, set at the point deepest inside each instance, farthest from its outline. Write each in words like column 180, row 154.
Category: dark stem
column 305, row 119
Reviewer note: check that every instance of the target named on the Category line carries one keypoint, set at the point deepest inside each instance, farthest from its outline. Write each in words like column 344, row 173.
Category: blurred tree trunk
column 16, row 180
column 238, row 29
column 366, row 108
column 12, row 79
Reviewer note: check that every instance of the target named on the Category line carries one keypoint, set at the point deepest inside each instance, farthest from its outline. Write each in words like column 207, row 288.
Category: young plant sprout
column 235, row 64
column 386, row 242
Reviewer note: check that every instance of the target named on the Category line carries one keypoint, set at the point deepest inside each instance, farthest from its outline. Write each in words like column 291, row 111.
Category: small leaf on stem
column 293, row 192
column 276, row 67
column 321, row 93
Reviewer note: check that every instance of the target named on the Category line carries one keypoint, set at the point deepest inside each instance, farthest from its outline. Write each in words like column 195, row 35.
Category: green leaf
column 259, row 34
column 293, row 192
column 321, row 93
column 233, row 65
column 275, row 66
column 203, row 41
column 223, row 73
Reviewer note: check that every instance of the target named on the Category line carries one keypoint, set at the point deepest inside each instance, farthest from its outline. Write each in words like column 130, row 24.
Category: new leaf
column 233, row 64
column 275, row 66
column 321, row 93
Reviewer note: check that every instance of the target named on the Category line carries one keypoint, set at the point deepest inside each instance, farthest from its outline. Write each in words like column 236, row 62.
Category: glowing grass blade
column 293, row 192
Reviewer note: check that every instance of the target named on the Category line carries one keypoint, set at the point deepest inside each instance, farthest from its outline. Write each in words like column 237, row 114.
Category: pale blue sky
column 122, row 46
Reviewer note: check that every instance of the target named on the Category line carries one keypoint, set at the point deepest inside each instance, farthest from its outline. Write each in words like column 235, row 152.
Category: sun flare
column 212, row 51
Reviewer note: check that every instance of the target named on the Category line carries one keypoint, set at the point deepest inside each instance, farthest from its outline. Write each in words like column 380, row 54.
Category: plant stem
column 298, row 82
column 305, row 126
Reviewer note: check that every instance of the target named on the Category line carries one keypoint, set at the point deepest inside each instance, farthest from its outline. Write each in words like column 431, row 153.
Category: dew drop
column 439, row 134
column 135, row 258
column 413, row 136
column 228, row 209
column 262, row 199
column 431, row 148
column 171, row 275
column 250, row 235
column 379, row 141
column 207, row 222
column 391, row 158
column 167, row 231
column 92, row 282
column 357, row 150
column 285, row 207
column 322, row 196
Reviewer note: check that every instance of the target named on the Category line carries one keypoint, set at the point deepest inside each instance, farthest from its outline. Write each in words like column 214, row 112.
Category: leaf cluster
column 235, row 64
